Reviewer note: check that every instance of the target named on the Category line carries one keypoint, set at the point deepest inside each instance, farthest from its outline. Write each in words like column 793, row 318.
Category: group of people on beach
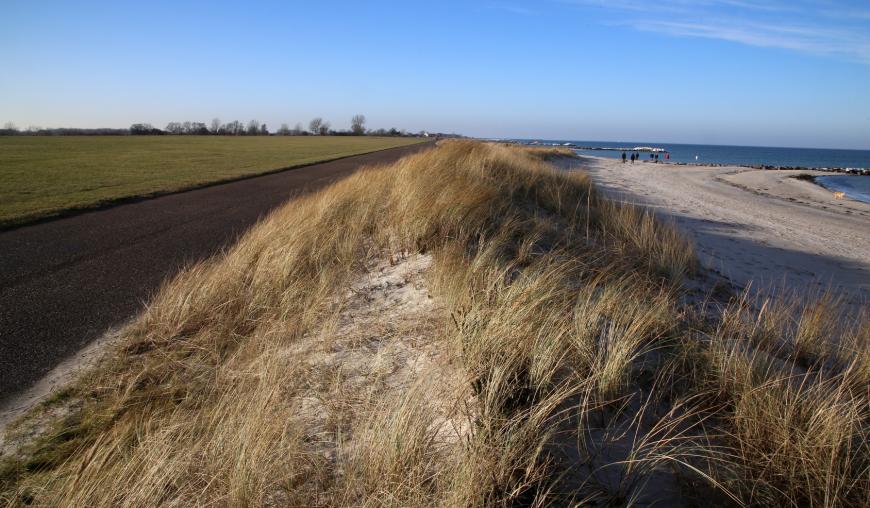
column 636, row 156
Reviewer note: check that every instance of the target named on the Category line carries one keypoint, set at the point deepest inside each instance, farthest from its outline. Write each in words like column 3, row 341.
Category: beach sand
column 753, row 226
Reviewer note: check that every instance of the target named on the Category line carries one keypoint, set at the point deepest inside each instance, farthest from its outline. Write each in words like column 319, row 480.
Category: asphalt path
column 65, row 282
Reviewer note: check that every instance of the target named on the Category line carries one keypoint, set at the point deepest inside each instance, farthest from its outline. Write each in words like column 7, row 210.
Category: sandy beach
column 757, row 226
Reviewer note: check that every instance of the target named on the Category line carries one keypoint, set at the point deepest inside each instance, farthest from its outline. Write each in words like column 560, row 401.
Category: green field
column 43, row 176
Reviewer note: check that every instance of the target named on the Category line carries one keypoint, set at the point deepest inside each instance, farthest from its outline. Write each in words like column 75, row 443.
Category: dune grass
column 42, row 176
column 554, row 363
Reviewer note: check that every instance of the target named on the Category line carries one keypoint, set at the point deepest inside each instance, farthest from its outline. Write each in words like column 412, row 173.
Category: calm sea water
column 854, row 187
column 738, row 155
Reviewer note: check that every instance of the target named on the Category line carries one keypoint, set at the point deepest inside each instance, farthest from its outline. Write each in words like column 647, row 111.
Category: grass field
column 42, row 176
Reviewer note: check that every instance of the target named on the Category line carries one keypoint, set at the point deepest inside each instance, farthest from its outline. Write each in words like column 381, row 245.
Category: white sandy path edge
column 757, row 228
column 57, row 378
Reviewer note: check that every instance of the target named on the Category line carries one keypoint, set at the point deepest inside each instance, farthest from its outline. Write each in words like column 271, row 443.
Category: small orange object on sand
column 839, row 195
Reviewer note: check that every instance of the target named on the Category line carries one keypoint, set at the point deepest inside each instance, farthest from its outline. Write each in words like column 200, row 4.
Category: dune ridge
column 467, row 327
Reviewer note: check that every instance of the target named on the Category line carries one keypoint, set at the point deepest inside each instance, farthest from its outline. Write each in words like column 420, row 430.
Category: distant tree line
column 145, row 129
column 10, row 129
column 316, row 127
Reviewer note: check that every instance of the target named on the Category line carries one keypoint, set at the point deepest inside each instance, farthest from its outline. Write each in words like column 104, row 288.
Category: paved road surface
column 65, row 282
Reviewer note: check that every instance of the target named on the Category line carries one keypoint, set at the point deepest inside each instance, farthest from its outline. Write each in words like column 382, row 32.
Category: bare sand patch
column 381, row 344
column 758, row 228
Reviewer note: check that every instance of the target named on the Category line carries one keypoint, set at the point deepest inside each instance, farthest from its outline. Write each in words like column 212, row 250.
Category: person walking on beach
column 623, row 157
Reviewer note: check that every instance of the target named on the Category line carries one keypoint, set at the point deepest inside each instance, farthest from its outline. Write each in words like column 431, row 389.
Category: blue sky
column 781, row 73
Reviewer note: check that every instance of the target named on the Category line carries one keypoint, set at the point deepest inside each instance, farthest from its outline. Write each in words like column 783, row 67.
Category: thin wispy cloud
column 808, row 40
column 831, row 29
column 513, row 9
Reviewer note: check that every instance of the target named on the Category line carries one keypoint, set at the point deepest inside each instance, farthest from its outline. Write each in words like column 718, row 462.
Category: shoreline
column 845, row 192
column 758, row 167
column 650, row 149
column 767, row 167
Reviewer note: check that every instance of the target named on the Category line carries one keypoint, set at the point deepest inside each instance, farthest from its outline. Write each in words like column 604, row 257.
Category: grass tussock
column 466, row 327
column 795, row 402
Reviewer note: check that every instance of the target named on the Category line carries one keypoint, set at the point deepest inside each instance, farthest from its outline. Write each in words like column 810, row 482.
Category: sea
column 854, row 186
